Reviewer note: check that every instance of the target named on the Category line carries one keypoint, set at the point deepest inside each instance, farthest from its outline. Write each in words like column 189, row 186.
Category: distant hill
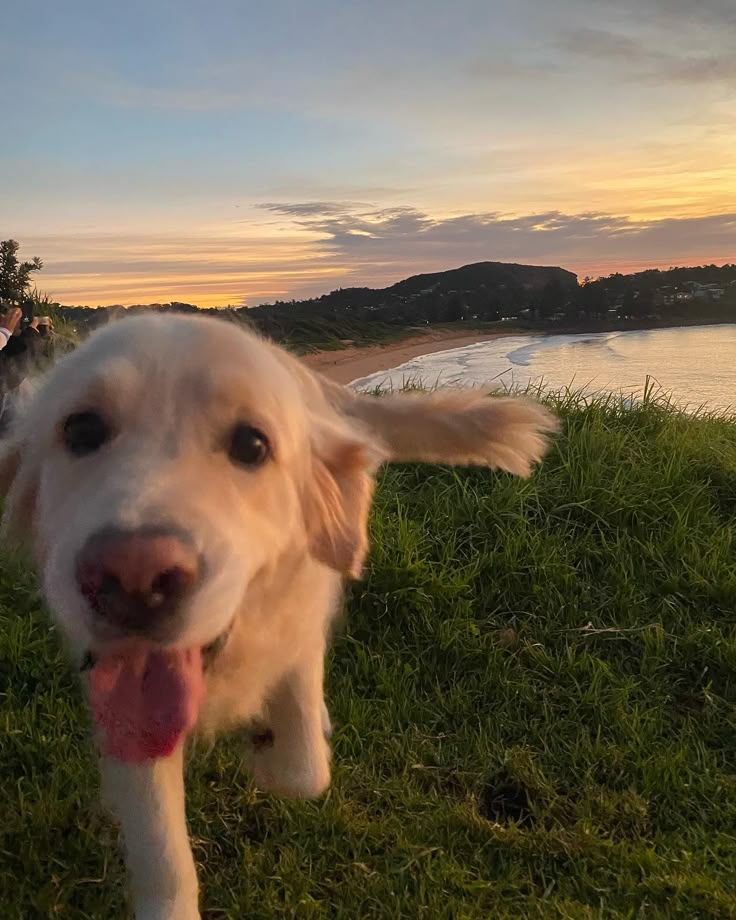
column 479, row 280
column 487, row 275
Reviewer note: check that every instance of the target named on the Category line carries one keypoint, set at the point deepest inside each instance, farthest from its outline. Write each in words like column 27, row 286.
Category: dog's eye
column 248, row 445
column 84, row 433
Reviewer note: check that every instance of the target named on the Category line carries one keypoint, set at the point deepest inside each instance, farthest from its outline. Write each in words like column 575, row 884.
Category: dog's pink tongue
column 144, row 699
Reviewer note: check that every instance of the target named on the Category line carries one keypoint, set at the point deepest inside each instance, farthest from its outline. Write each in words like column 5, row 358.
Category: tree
column 638, row 303
column 15, row 276
column 630, row 307
column 593, row 298
column 552, row 298
column 454, row 310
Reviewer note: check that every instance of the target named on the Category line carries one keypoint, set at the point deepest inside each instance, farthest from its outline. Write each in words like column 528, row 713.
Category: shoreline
column 350, row 364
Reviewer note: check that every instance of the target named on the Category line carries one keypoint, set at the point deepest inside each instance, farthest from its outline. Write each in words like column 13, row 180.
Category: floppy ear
column 18, row 486
column 463, row 427
column 338, row 497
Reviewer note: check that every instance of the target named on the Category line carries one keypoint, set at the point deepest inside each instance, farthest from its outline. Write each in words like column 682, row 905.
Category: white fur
column 277, row 542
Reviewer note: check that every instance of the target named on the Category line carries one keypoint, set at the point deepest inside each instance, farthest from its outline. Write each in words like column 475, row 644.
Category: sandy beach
column 351, row 363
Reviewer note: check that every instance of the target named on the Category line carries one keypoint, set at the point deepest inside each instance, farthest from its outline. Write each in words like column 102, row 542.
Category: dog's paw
column 303, row 774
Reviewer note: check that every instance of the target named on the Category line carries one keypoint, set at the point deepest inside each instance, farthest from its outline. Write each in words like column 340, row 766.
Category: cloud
column 343, row 220
column 357, row 230
column 636, row 59
column 308, row 208
column 718, row 14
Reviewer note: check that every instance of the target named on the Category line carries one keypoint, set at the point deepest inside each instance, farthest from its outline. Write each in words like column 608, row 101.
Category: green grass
column 535, row 700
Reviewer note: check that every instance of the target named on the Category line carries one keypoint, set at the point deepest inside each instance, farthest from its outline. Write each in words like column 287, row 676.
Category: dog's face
column 167, row 463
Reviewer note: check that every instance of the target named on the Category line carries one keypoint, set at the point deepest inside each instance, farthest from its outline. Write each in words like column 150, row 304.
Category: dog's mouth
column 145, row 698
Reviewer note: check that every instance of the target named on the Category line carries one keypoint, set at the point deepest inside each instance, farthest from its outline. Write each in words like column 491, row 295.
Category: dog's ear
column 465, row 427
column 462, row 427
column 338, row 496
column 18, row 488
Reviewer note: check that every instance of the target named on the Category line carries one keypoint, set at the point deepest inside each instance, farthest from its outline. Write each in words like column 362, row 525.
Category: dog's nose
column 137, row 579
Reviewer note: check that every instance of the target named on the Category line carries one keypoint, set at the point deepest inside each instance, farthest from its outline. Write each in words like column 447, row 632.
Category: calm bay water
column 696, row 364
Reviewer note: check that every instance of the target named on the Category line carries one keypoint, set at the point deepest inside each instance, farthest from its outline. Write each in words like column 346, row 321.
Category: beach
column 351, row 363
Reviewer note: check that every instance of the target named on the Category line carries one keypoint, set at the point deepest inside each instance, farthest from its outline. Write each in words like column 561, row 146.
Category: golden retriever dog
column 194, row 498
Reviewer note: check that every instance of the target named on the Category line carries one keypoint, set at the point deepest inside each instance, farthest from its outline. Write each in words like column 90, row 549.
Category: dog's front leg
column 148, row 800
column 296, row 762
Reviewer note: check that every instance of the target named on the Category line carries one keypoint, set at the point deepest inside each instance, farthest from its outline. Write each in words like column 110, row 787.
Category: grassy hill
column 535, row 700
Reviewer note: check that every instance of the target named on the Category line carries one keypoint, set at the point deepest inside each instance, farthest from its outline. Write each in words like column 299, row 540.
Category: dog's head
column 158, row 471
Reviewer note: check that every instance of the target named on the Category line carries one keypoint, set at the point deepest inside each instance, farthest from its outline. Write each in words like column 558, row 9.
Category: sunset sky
column 239, row 152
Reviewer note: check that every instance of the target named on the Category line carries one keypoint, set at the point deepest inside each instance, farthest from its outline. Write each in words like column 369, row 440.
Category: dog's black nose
column 135, row 580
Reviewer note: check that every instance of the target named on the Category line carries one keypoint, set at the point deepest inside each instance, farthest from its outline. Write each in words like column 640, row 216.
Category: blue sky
column 236, row 152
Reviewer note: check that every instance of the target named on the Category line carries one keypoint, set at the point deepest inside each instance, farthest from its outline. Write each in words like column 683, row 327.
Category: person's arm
column 8, row 322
